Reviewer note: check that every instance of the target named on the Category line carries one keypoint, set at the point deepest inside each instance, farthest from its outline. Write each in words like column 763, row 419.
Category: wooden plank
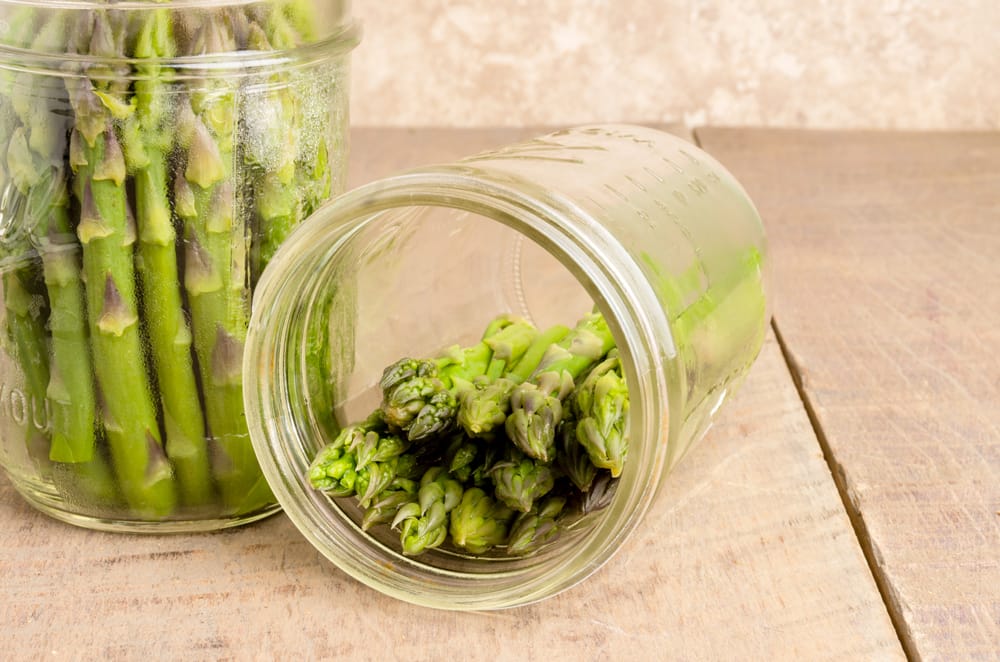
column 749, row 554
column 886, row 254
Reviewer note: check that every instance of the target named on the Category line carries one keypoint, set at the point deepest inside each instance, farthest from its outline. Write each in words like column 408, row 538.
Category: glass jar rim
column 343, row 36
column 127, row 5
column 647, row 346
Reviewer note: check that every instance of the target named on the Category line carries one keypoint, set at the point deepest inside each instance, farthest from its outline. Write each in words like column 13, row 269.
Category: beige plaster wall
column 811, row 63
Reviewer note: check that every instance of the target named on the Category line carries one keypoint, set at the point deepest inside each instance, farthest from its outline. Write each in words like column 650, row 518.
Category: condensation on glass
column 153, row 155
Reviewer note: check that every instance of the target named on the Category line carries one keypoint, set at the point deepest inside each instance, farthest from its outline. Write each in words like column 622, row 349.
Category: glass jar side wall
column 688, row 225
column 138, row 209
column 361, row 252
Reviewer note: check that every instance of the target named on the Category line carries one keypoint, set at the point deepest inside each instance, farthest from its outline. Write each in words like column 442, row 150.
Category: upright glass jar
column 651, row 230
column 153, row 155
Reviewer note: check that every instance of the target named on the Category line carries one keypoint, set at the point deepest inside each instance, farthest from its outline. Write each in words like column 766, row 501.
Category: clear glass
column 154, row 155
column 641, row 223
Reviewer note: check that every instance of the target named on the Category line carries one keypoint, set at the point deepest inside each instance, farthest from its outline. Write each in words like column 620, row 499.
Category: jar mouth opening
column 133, row 4
column 341, row 38
column 601, row 266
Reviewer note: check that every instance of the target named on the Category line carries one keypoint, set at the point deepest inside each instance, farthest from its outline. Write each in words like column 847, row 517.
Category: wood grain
column 749, row 555
column 886, row 252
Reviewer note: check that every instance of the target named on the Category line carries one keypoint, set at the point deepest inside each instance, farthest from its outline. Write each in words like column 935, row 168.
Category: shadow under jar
column 153, row 155
column 640, row 224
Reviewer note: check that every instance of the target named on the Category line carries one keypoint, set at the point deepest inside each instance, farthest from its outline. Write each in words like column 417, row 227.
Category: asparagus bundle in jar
column 154, row 156
column 471, row 480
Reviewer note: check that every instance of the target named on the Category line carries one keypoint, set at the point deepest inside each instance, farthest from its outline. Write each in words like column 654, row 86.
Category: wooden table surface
column 845, row 506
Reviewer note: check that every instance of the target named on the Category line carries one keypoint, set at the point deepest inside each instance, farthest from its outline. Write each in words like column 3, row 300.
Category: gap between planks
column 889, row 598
column 857, row 520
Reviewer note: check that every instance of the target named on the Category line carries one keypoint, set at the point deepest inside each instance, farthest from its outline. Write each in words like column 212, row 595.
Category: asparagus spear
column 572, row 459
column 215, row 275
column 302, row 17
column 383, row 508
column 289, row 150
column 165, row 321
column 478, row 522
column 423, row 524
column 420, row 397
column 106, row 239
column 453, row 497
column 65, row 389
column 26, row 330
column 286, row 147
column 70, row 391
column 600, row 494
column 362, row 460
column 377, row 458
column 334, row 471
column 273, row 143
column 406, row 385
column 536, row 405
column 480, row 470
column 601, row 403
column 535, row 528
column 486, row 406
column 508, row 346
column 24, row 307
column 321, row 135
column 520, row 480
column 461, row 456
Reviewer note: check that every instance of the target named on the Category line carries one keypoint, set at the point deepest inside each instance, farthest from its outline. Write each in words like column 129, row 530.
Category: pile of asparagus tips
column 499, row 445
column 152, row 198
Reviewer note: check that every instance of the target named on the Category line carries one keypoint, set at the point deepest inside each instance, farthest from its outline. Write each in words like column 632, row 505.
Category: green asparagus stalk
column 302, row 17
column 377, row 459
column 36, row 155
column 521, row 480
column 107, row 239
column 461, row 456
column 334, row 471
column 480, row 474
column 20, row 27
column 273, row 146
column 533, row 529
column 536, row 405
column 454, row 497
column 601, row 403
column 287, row 151
column 600, row 494
column 26, row 330
column 478, row 522
column 215, row 275
column 421, row 397
column 383, row 508
column 404, row 397
column 361, row 461
column 292, row 156
column 486, row 406
column 322, row 135
column 165, row 320
column 25, row 317
column 572, row 459
column 70, row 390
column 347, row 436
column 508, row 345
column 423, row 524
column 536, row 411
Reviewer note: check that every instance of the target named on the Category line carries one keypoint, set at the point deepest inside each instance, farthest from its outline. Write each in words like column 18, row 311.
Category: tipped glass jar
column 639, row 223
column 153, row 155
